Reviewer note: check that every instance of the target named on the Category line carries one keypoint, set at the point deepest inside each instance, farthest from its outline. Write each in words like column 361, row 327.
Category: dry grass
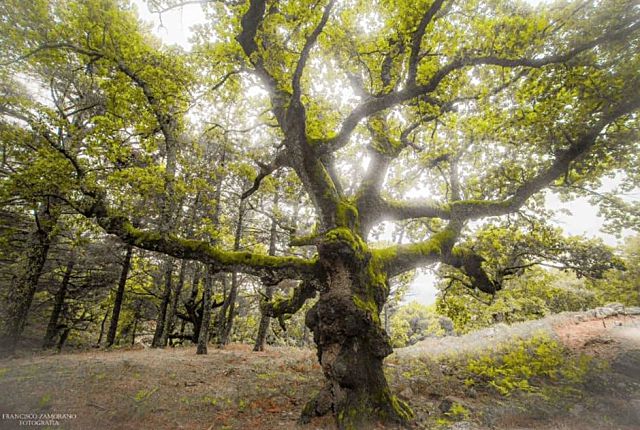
column 163, row 389
column 236, row 388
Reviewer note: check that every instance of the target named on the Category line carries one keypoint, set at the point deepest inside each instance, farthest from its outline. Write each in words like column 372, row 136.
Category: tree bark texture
column 351, row 343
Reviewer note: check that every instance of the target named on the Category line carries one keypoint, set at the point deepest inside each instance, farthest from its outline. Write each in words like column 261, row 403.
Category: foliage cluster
column 524, row 364
column 541, row 291
column 413, row 322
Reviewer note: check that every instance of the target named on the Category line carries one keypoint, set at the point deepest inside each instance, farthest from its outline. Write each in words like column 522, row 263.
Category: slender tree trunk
column 203, row 335
column 268, row 290
column 221, row 317
column 25, row 282
column 61, row 294
column 136, row 317
column 117, row 303
column 227, row 313
column 352, row 344
column 102, row 324
column 169, row 321
column 63, row 338
column 133, row 331
column 158, row 335
column 265, row 321
column 190, row 305
column 230, row 313
column 182, row 327
column 168, row 217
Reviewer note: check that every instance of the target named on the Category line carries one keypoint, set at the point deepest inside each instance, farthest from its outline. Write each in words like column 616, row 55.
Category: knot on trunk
column 341, row 244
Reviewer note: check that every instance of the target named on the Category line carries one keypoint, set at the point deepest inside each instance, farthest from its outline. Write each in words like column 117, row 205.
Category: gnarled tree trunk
column 351, row 343
column 102, row 324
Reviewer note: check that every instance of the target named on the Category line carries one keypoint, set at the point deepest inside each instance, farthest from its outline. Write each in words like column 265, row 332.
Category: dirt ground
column 236, row 388
column 162, row 389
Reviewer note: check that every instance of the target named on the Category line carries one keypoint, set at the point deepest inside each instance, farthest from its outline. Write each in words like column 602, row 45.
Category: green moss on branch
column 400, row 258
column 248, row 262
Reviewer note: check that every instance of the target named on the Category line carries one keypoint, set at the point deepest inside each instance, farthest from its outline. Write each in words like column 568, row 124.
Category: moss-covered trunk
column 352, row 344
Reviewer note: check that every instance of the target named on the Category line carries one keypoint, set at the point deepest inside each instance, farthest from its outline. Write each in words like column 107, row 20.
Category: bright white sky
column 176, row 23
column 584, row 219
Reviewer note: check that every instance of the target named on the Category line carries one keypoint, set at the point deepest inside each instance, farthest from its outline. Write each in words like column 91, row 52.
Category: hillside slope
column 567, row 371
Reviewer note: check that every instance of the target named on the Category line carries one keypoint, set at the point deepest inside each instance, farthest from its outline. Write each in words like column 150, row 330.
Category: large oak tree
column 477, row 105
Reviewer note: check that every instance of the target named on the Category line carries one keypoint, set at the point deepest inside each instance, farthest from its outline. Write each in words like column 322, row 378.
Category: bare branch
column 266, row 170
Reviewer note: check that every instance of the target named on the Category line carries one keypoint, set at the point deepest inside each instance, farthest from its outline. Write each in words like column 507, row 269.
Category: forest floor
column 575, row 371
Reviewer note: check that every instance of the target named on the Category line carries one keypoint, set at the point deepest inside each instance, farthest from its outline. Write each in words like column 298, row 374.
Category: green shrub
column 524, row 365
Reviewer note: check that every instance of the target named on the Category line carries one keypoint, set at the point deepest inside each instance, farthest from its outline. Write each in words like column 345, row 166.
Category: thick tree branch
column 475, row 209
column 467, row 209
column 398, row 259
column 250, row 23
column 254, row 264
column 438, row 248
column 280, row 307
column 314, row 170
column 393, row 210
